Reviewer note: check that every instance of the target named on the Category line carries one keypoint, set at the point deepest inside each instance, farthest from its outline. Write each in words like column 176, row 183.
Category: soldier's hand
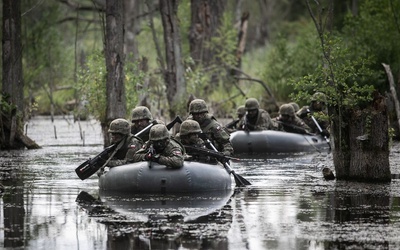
column 148, row 156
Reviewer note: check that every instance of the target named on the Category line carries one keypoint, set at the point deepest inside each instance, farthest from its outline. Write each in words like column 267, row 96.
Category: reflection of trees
column 358, row 207
column 14, row 213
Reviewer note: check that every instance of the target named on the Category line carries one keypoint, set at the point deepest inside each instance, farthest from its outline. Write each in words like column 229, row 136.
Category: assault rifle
column 232, row 124
column 218, row 155
column 91, row 166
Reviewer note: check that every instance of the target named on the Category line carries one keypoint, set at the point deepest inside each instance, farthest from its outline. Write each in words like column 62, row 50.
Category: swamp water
column 289, row 206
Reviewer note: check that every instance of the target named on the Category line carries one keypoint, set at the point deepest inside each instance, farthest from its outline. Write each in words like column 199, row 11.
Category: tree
column 358, row 112
column 174, row 72
column 114, row 51
column 12, row 97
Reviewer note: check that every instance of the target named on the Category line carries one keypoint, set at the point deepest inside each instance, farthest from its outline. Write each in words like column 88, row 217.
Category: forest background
column 64, row 66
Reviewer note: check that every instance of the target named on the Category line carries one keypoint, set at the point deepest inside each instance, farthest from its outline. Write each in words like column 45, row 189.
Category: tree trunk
column 205, row 20
column 361, row 143
column 12, row 97
column 174, row 72
column 114, row 50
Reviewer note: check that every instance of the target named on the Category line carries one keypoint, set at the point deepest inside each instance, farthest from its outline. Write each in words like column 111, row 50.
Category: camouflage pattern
column 240, row 111
column 287, row 109
column 319, row 97
column 217, row 134
column 120, row 126
column 158, row 132
column 319, row 111
column 141, row 113
column 295, row 106
column 198, row 106
column 189, row 127
column 262, row 121
column 251, row 104
column 124, row 155
column 291, row 122
column 172, row 156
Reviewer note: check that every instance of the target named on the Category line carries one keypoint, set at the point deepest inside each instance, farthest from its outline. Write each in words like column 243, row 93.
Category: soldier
column 210, row 127
column 295, row 106
column 189, row 136
column 127, row 146
column 141, row 118
column 288, row 121
column 233, row 125
column 161, row 148
column 318, row 110
column 256, row 119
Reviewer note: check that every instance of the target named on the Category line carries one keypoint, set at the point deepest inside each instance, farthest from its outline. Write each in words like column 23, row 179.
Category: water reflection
column 162, row 221
column 288, row 206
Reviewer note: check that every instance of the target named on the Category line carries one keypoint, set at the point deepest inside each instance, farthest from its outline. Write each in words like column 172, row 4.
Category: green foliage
column 347, row 81
column 92, row 82
column 224, row 43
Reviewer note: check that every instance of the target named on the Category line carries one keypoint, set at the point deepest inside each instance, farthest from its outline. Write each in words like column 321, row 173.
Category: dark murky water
column 289, row 205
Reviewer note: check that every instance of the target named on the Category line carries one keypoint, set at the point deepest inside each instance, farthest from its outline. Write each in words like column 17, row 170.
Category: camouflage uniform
column 234, row 125
column 189, row 136
column 172, row 153
column 317, row 111
column 260, row 121
column 141, row 113
column 127, row 146
column 210, row 127
column 288, row 121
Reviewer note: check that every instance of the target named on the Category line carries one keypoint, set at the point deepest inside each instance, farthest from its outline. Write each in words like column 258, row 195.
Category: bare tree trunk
column 362, row 150
column 205, row 20
column 131, row 27
column 174, row 72
column 11, row 122
column 114, row 50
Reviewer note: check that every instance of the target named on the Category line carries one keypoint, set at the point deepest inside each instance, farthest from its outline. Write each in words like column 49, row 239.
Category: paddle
column 319, row 128
column 91, row 166
column 239, row 180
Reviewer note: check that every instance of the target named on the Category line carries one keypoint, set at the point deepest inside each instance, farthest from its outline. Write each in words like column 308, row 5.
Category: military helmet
column 295, row 106
column 251, row 104
column 189, row 127
column 241, row 110
column 158, row 132
column 318, row 97
column 198, row 106
column 120, row 126
column 286, row 109
column 141, row 113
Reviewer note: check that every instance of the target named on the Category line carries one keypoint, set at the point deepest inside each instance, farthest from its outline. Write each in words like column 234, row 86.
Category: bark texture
column 361, row 144
column 174, row 72
column 114, row 49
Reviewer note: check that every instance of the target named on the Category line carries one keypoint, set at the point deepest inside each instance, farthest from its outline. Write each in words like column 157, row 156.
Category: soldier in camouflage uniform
column 189, row 136
column 141, row 118
column 256, row 119
column 234, row 125
column 318, row 110
column 288, row 121
column 127, row 144
column 161, row 148
column 210, row 127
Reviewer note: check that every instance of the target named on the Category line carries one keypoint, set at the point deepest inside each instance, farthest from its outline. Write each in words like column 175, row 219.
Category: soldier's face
column 318, row 106
column 141, row 124
column 252, row 113
column 160, row 145
column 116, row 137
column 199, row 117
